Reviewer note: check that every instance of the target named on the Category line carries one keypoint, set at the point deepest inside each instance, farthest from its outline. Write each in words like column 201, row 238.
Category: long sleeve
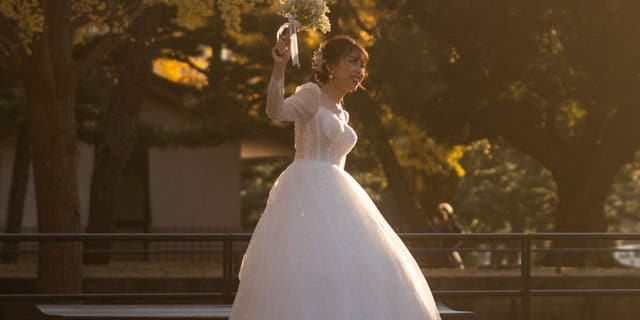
column 300, row 106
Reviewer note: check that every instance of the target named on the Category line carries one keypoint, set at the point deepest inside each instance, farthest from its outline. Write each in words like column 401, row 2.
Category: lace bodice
column 320, row 133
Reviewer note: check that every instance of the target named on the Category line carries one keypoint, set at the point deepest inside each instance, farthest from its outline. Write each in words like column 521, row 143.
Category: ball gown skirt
column 322, row 251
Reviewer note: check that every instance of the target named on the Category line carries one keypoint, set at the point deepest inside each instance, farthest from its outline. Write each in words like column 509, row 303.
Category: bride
column 321, row 249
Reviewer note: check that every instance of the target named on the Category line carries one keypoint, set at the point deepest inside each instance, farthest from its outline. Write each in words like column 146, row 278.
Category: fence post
column 226, row 268
column 525, row 275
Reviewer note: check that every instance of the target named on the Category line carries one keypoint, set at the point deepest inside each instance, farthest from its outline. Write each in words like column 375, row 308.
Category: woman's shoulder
column 307, row 96
column 309, row 86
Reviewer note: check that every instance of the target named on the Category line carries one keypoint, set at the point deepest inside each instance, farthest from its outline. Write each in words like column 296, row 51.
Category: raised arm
column 300, row 106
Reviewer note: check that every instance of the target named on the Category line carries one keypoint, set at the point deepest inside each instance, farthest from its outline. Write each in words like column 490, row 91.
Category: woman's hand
column 281, row 51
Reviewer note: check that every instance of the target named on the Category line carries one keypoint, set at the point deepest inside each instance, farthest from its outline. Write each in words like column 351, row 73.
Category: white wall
column 191, row 188
column 196, row 187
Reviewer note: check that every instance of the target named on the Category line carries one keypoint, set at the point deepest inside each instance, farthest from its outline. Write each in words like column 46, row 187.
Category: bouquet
column 303, row 14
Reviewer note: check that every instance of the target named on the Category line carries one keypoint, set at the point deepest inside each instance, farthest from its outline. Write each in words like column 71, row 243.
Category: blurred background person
column 445, row 222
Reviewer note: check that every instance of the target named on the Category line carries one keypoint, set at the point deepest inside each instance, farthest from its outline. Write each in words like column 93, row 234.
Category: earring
column 331, row 76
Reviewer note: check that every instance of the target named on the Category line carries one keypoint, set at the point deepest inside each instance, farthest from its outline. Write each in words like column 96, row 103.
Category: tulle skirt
column 322, row 251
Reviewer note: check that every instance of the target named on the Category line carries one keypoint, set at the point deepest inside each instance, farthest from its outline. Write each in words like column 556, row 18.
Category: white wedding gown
column 321, row 249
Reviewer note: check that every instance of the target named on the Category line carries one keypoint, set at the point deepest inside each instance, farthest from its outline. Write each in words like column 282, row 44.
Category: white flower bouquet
column 303, row 14
column 310, row 14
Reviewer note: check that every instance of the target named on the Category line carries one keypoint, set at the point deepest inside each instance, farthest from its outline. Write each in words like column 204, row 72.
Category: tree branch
column 185, row 59
column 135, row 10
column 97, row 55
column 107, row 43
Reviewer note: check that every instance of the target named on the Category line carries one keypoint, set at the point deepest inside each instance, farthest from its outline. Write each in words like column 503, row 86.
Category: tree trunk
column 409, row 206
column 114, row 150
column 54, row 143
column 399, row 186
column 581, row 199
column 51, row 92
column 19, row 182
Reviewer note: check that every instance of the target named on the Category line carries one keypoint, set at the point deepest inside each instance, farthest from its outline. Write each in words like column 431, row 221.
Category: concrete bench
column 173, row 312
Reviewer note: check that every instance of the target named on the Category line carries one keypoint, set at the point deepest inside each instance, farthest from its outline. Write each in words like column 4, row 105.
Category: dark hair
column 332, row 51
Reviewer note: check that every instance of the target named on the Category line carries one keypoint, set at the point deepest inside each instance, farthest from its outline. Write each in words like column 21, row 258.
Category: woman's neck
column 334, row 93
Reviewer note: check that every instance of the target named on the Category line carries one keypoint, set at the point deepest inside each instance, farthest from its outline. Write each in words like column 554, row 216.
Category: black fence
column 526, row 248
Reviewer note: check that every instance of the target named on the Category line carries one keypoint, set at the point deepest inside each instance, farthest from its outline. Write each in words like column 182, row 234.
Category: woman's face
column 349, row 71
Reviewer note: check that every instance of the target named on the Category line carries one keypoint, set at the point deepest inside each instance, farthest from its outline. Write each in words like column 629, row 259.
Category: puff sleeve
column 300, row 106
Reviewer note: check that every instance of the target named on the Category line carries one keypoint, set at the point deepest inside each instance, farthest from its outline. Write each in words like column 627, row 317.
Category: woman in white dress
column 321, row 249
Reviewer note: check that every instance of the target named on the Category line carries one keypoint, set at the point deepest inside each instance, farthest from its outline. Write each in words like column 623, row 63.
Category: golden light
column 182, row 72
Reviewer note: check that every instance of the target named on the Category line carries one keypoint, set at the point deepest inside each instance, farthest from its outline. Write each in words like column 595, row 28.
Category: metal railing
column 525, row 292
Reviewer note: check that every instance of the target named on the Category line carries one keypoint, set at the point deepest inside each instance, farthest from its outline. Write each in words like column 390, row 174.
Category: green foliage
column 402, row 69
column 623, row 203
column 27, row 17
column 556, row 80
column 504, row 190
